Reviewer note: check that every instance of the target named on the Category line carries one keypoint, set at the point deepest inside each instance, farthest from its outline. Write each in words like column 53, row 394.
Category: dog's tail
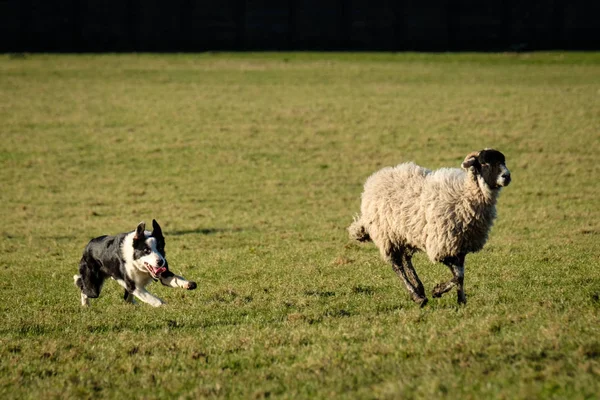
column 357, row 230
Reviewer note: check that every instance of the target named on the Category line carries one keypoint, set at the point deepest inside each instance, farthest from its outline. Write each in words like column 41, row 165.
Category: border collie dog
column 133, row 259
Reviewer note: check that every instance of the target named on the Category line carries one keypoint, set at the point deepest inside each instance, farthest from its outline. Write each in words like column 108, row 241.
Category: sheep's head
column 490, row 165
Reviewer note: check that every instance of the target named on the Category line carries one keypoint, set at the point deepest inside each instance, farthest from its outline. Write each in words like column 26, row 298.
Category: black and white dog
column 133, row 259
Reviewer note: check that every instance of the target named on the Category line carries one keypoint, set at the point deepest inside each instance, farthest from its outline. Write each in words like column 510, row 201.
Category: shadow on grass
column 203, row 231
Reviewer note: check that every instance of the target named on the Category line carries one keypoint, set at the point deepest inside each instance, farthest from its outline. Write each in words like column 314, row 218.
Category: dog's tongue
column 158, row 270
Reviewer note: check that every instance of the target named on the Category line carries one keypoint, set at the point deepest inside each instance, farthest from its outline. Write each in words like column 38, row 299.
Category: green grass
column 254, row 165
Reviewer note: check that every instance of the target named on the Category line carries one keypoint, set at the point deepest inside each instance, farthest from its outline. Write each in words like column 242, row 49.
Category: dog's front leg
column 147, row 297
column 141, row 293
column 171, row 280
column 128, row 297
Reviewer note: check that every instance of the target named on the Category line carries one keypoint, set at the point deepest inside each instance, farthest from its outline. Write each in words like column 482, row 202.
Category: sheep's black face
column 491, row 166
column 495, row 175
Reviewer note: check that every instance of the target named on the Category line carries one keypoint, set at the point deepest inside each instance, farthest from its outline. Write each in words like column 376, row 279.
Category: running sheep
column 447, row 213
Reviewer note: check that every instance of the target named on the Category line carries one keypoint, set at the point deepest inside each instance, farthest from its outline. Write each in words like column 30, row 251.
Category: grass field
column 254, row 166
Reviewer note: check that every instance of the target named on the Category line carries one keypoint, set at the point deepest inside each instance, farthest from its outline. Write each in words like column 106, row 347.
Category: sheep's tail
column 357, row 230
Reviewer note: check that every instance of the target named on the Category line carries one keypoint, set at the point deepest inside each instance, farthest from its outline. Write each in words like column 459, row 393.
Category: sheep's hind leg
column 412, row 275
column 457, row 266
column 416, row 290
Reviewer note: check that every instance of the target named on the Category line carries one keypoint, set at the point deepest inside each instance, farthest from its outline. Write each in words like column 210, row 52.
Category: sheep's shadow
column 203, row 231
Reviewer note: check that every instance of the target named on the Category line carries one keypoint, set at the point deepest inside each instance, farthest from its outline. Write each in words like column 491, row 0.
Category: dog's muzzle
column 154, row 271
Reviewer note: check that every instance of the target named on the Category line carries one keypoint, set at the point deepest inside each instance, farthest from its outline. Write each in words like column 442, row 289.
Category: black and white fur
column 133, row 259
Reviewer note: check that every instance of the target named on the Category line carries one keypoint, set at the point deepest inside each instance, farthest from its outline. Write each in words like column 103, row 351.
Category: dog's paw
column 158, row 303
column 191, row 285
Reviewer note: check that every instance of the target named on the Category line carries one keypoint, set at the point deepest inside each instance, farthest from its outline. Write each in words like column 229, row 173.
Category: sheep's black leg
column 444, row 287
column 457, row 266
column 460, row 287
column 459, row 274
column 398, row 265
column 412, row 275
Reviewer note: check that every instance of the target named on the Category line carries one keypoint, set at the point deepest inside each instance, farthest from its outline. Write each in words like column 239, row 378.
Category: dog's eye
column 147, row 250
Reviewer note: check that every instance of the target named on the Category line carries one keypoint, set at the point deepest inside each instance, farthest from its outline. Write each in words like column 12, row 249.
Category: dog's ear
column 156, row 231
column 471, row 160
column 139, row 231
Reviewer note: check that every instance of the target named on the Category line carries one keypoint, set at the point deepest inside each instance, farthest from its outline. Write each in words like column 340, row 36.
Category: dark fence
column 191, row 25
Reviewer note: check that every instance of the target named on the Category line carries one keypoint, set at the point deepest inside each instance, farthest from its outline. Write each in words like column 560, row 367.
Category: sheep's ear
column 471, row 160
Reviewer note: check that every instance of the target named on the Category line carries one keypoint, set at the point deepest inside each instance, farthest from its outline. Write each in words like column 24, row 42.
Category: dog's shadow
column 203, row 231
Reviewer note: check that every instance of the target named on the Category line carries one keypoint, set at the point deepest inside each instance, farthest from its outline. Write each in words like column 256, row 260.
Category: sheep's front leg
column 416, row 289
column 457, row 266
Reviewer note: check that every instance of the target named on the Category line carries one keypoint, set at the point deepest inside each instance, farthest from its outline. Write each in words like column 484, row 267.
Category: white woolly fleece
column 444, row 212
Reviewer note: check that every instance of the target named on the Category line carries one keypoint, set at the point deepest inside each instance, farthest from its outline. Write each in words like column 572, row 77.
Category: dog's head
column 149, row 249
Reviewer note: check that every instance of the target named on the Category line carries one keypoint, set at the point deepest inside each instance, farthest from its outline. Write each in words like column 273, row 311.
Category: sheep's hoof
column 438, row 290
column 421, row 301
